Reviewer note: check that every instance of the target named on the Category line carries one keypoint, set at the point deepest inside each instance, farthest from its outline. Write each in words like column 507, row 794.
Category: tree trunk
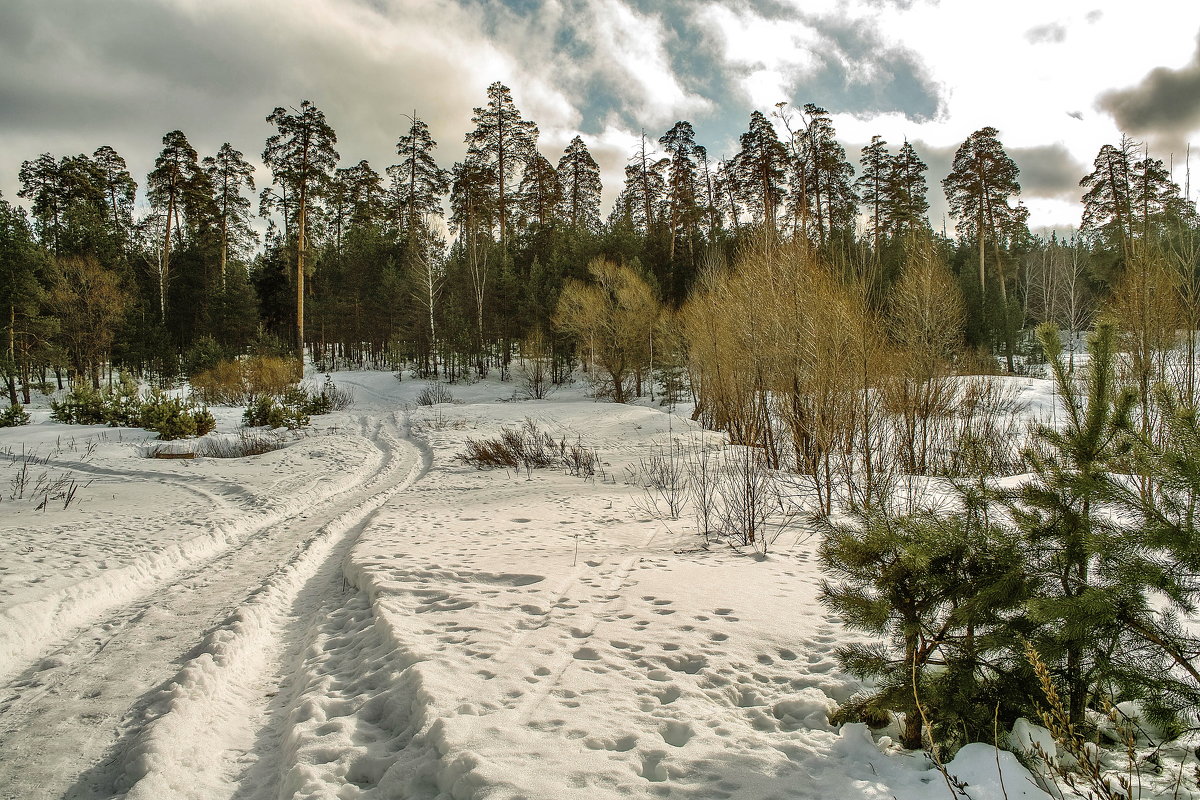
column 301, row 222
column 163, row 267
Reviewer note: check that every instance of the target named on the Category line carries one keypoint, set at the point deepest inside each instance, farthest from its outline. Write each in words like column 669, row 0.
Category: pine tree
column 978, row 189
column 906, row 194
column 22, row 295
column 301, row 158
column 229, row 173
column 171, row 188
column 1162, row 546
column 473, row 206
column 355, row 198
column 683, row 211
column 982, row 181
column 1107, row 200
column 1078, row 596
column 727, row 189
column 761, row 170
column 503, row 141
column 579, row 177
column 119, row 188
column 940, row 586
column 643, row 198
column 826, row 175
column 1152, row 196
column 872, row 187
column 538, row 195
column 366, row 193
column 709, row 211
column 41, row 183
column 418, row 184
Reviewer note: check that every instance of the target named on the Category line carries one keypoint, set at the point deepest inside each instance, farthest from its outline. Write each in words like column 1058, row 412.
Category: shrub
column 174, row 418
column 124, row 407
column 433, row 394
column 246, row 443
column 530, row 448
column 223, row 383
column 337, row 398
column 80, row 406
column 271, row 374
column 13, row 416
column 240, row 380
column 123, row 404
column 267, row 411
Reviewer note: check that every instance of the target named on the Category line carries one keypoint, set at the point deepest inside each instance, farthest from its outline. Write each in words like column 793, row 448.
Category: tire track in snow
column 28, row 629
column 226, row 726
column 95, row 690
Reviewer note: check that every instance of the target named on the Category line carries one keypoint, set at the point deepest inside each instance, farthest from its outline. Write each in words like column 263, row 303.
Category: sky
column 1057, row 79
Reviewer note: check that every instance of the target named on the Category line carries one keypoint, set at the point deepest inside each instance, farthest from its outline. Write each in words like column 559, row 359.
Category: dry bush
column 222, row 384
column 663, row 475
column 752, row 511
column 247, row 443
column 534, row 370
column 615, row 320
column 784, row 356
column 1148, row 312
column 927, row 315
column 435, row 393
column 927, row 312
column 529, row 448
column 237, row 382
column 272, row 375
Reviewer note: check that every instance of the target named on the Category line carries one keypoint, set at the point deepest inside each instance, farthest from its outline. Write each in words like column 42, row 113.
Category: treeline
column 454, row 272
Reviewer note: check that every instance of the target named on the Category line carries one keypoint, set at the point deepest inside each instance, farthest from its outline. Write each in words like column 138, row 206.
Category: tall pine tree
column 301, row 157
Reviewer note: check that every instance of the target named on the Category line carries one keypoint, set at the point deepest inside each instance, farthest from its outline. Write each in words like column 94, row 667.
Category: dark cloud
column 1048, row 171
column 77, row 75
column 1164, row 105
column 1050, row 33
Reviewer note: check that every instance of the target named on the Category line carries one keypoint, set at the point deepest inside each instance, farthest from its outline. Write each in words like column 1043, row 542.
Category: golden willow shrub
column 786, row 354
column 239, row 381
column 616, row 320
column 779, row 338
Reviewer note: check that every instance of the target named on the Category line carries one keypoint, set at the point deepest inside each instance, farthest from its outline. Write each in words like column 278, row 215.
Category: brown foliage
column 237, row 382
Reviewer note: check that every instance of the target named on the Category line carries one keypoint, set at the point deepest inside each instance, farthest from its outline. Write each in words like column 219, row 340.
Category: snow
column 359, row 615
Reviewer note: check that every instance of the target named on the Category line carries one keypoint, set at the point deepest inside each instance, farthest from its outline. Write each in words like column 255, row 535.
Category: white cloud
column 631, row 47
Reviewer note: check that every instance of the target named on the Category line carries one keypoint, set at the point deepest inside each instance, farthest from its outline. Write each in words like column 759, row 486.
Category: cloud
column 1048, row 171
column 837, row 61
column 1050, row 33
column 1164, row 105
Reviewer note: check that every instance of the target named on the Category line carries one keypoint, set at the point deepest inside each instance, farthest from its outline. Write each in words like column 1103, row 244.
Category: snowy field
column 358, row 615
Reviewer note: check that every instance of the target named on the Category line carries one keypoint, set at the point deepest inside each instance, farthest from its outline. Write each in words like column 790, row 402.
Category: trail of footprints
column 558, row 629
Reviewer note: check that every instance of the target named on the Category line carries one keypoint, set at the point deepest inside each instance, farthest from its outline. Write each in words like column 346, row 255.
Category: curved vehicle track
column 81, row 721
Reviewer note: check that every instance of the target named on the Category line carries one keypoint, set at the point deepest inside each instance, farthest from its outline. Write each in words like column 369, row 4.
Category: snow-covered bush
column 244, row 443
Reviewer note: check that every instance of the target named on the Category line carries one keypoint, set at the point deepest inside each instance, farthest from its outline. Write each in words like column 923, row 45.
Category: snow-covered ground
column 358, row 615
